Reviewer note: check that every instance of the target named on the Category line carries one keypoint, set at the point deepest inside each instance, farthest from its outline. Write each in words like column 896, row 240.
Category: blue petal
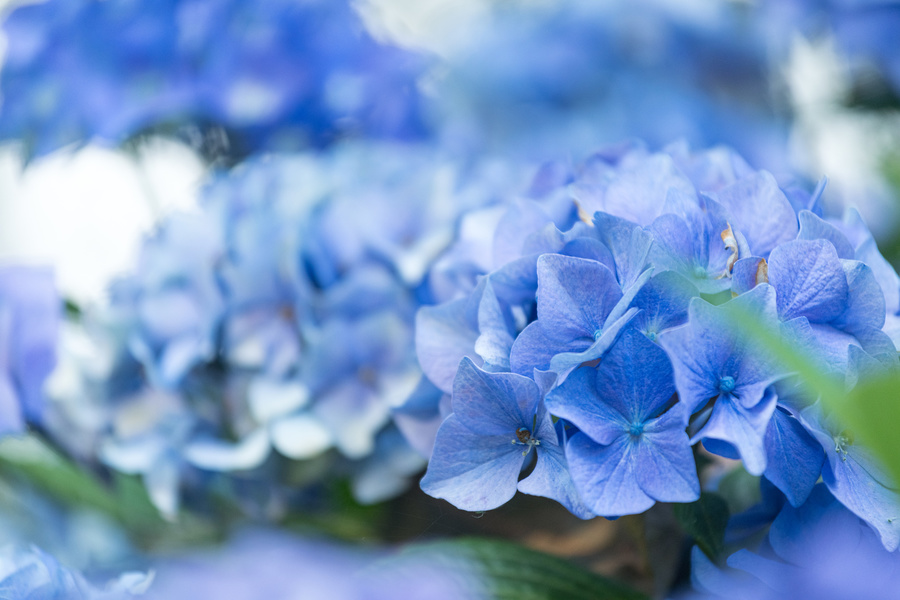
column 630, row 246
column 578, row 401
column 744, row 428
column 666, row 469
column 710, row 347
column 813, row 227
column 494, row 403
column 865, row 305
column 472, row 471
column 444, row 335
column 857, row 480
column 809, row 281
column 640, row 193
column 663, row 303
column 748, row 273
column 537, row 345
column 760, row 211
column 551, row 479
column 793, row 457
column 575, row 295
column 563, row 363
column 606, row 476
column 495, row 342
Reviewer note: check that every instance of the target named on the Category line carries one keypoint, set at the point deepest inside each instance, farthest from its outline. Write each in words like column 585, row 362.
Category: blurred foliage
column 705, row 520
column 124, row 498
column 871, row 410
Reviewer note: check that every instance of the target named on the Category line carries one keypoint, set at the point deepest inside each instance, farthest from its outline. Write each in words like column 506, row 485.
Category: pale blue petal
column 494, row 403
column 550, row 479
column 472, row 471
column 605, row 476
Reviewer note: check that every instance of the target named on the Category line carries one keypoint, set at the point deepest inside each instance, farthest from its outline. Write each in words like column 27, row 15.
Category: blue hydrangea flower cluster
column 274, row 75
column 280, row 316
column 386, row 300
column 606, row 331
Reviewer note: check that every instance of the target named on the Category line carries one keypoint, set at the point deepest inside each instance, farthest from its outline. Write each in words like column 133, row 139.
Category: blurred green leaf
column 124, row 498
column 497, row 570
column 705, row 520
column 871, row 410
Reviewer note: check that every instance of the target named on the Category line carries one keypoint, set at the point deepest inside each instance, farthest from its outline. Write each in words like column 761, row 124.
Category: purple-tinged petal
column 809, row 281
column 494, row 403
column 551, row 479
column 666, row 468
column 813, row 227
column 605, row 476
column 472, row 471
column 760, row 211
column 575, row 295
column 793, row 457
column 744, row 428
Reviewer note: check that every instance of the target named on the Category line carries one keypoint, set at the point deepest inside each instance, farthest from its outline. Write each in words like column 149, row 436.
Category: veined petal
column 472, row 471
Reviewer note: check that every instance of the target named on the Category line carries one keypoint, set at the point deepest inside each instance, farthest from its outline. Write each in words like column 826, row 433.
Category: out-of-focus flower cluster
column 274, row 75
column 408, row 268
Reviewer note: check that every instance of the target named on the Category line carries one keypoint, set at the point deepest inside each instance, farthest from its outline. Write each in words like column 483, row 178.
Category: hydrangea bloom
column 632, row 449
column 273, row 319
column 651, row 260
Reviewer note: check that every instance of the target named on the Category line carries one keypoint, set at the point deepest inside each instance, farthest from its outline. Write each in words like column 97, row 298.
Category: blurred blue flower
column 30, row 315
column 817, row 550
column 30, row 574
column 279, row 75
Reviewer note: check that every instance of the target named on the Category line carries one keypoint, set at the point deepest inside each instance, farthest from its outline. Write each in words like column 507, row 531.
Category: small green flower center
column 842, row 443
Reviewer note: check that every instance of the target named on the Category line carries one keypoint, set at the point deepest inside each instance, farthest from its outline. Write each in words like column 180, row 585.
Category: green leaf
column 871, row 410
column 705, row 520
column 496, row 570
